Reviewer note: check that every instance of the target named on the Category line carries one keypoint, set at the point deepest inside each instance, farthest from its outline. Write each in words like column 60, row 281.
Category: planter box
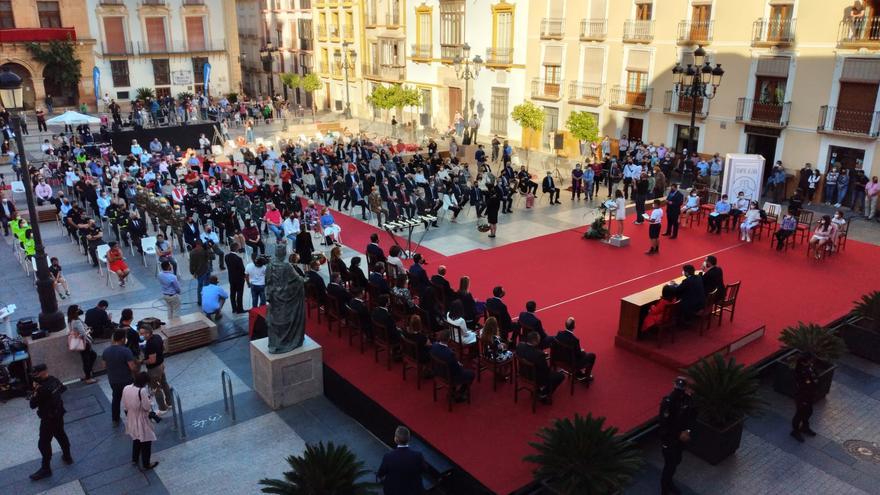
column 861, row 339
column 714, row 445
column 784, row 383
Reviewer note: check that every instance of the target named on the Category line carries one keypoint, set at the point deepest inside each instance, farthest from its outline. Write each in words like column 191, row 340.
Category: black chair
column 704, row 315
column 381, row 341
column 355, row 327
column 563, row 357
column 411, row 360
column 443, row 379
column 524, row 379
column 334, row 313
column 468, row 353
column 805, row 223
column 668, row 323
column 501, row 370
column 313, row 302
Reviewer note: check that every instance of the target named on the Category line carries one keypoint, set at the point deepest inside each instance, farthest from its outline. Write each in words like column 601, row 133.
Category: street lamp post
column 465, row 72
column 267, row 56
column 346, row 64
column 697, row 80
column 51, row 319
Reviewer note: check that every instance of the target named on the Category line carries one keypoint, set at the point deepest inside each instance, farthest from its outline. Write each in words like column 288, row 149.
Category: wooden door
column 769, row 98
column 700, row 16
column 454, row 103
column 634, row 128
column 551, row 80
column 643, row 11
column 855, row 107
column 636, row 88
column 779, row 27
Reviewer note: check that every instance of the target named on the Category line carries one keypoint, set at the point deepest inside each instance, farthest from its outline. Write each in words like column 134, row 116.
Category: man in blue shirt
column 721, row 213
column 213, row 297
column 715, row 174
column 170, row 289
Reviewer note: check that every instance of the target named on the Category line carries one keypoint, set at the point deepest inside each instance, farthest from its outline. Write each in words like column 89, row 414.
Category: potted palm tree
column 725, row 393
column 326, row 469
column 583, row 457
column 817, row 340
column 862, row 332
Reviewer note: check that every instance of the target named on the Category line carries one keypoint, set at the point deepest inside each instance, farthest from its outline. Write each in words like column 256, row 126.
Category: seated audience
column 531, row 323
column 546, row 379
column 713, row 277
column 455, row 317
column 825, row 231
column 495, row 307
column 787, row 228
column 492, row 347
column 690, row 293
column 584, row 361
column 719, row 215
column 461, row 377
column 656, row 313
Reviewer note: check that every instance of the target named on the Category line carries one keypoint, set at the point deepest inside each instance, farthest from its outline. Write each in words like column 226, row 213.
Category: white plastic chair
column 148, row 245
column 34, row 265
column 102, row 251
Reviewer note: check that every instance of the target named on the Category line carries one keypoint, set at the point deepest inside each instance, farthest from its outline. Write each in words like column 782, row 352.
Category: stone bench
column 63, row 364
column 188, row 332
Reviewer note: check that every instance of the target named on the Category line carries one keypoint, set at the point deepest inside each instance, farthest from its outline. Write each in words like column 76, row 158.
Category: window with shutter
column 114, row 33
column 50, row 14
column 195, row 33
column 119, row 72
column 155, row 27
column 7, row 21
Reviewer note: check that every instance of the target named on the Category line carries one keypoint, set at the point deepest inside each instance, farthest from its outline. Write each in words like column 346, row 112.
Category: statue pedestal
column 618, row 241
column 282, row 380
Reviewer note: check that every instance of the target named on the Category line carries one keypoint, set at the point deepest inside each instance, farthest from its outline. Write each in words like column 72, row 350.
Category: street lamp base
column 52, row 322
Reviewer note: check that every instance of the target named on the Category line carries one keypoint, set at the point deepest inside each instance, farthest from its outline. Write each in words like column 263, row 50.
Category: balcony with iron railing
column 153, row 2
column 37, row 35
column 111, row 2
column 543, row 89
column 449, row 52
column 348, row 31
column 118, row 48
column 621, row 98
column 773, row 32
column 594, row 29
column 636, row 31
column 695, row 32
column 590, row 94
column 861, row 32
column 420, row 53
column 552, row 29
column 678, row 104
column 181, row 46
column 193, row 2
column 499, row 57
column 392, row 19
column 370, row 70
column 754, row 112
column 371, row 19
column 857, row 123
column 393, row 71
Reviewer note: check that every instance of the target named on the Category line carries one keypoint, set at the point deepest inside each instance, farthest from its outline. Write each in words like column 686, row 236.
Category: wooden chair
column 334, row 313
column 411, row 359
column 399, row 308
column 443, row 379
column 563, row 357
column 373, row 293
column 842, row 236
column 805, row 223
column 820, row 252
column 355, row 327
column 440, row 294
column 501, row 371
column 467, row 353
column 381, row 341
column 312, row 302
column 524, row 379
column 727, row 303
column 704, row 316
column 668, row 323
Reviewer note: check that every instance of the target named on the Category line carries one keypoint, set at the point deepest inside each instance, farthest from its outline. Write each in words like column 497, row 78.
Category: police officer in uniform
column 806, row 380
column 46, row 399
column 677, row 414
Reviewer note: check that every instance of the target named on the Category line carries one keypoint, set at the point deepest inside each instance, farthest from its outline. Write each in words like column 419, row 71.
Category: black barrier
column 185, row 136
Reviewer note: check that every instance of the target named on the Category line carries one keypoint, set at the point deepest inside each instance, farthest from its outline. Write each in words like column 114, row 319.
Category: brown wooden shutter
column 114, row 33
column 155, row 33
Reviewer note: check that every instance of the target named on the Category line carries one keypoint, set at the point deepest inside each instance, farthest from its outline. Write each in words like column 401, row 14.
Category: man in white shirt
column 290, row 226
column 211, row 241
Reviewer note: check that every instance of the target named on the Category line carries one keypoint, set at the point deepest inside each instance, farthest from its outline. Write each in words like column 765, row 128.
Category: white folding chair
column 148, row 246
column 34, row 266
column 102, row 251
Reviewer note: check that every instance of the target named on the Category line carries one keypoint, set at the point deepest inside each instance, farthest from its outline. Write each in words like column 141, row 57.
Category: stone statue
column 285, row 293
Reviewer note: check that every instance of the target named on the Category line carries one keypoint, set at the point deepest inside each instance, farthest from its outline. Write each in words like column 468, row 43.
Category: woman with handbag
column 79, row 340
column 138, row 405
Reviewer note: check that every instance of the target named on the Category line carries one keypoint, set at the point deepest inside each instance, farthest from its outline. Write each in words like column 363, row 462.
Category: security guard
column 677, row 415
column 46, row 399
column 806, row 380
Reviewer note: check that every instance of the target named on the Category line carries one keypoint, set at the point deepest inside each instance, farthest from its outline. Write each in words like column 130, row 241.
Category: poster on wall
column 744, row 173
column 181, row 77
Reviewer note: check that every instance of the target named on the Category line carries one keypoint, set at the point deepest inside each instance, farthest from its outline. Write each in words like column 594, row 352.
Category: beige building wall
column 816, row 37
column 337, row 26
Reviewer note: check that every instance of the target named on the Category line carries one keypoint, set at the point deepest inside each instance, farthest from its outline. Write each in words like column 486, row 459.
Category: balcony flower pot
column 862, row 338
column 784, row 381
column 714, row 444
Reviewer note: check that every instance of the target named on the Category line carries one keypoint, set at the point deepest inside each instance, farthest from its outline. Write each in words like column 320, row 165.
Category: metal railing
column 499, row 56
column 695, row 31
column 124, row 48
column 675, row 103
column 194, row 2
column 181, row 46
column 153, row 2
column 178, row 423
column 420, row 52
column 620, row 97
column 594, row 29
column 768, row 32
column 228, row 397
column 859, row 32
column 864, row 123
column 542, row 88
column 449, row 52
column 552, row 28
column 635, row 31
column 750, row 110
column 586, row 93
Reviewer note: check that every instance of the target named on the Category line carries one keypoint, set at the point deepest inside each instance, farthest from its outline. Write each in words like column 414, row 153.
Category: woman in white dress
column 619, row 212
column 751, row 220
column 455, row 317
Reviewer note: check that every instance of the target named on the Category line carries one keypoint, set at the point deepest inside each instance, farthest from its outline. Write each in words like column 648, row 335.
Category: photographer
column 139, row 417
column 46, row 399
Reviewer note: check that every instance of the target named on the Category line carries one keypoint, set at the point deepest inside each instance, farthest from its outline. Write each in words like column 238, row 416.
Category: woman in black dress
column 493, row 204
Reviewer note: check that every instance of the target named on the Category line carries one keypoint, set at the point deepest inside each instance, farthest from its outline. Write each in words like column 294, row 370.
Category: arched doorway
column 26, row 81
column 63, row 95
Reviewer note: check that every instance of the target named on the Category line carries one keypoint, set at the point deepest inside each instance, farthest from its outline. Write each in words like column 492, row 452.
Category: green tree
column 65, row 69
column 583, row 126
column 383, row 97
column 291, row 80
column 311, row 83
column 330, row 469
column 403, row 98
column 528, row 116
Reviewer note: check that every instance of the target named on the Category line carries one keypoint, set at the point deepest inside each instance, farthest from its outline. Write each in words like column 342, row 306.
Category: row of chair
column 714, row 309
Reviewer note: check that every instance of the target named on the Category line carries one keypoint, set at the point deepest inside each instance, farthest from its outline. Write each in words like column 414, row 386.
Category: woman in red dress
column 117, row 264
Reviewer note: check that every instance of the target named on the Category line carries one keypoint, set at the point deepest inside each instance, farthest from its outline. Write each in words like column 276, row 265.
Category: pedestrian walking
column 139, row 418
column 806, row 380
column 121, row 368
column 46, row 399
column 154, row 359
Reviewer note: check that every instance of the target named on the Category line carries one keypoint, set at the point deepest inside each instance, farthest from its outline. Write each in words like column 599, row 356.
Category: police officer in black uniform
column 806, row 380
column 677, row 415
column 46, row 399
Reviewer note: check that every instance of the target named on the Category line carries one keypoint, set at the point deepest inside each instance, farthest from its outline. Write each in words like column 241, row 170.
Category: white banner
column 743, row 173
column 181, row 77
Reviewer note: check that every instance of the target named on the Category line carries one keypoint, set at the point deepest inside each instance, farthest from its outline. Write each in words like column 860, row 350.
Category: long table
column 634, row 307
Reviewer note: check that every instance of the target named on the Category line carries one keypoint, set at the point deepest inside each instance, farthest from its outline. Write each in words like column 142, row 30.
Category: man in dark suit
column 374, row 250
column 460, row 376
column 377, row 278
column 496, row 307
column 382, row 315
column 547, row 379
column 418, row 277
column 549, row 187
column 137, row 230
column 690, row 294
column 314, row 279
column 531, row 323
column 713, row 277
column 477, row 198
column 191, row 232
column 401, row 469
column 441, row 284
column 357, row 304
column 674, row 200
column 235, row 267
column 337, row 290
column 583, row 361
column 7, row 213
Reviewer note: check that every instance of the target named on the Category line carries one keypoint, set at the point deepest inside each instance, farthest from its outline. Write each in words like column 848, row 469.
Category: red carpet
column 568, row 276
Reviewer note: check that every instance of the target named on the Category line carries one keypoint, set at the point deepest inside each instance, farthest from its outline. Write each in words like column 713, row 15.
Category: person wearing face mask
column 872, row 191
column 43, row 192
column 690, row 293
column 46, row 399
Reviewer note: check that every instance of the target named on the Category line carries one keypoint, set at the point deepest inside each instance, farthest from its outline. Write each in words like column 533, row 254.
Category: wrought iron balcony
column 678, row 104
column 594, row 29
column 181, row 46
column 773, row 32
column 591, row 94
column 543, row 89
column 118, row 48
column 635, row 31
column 449, row 52
column 621, row 98
column 862, row 123
column 750, row 111
column 858, row 33
column 552, row 29
column 420, row 52
column 499, row 56
column 695, row 32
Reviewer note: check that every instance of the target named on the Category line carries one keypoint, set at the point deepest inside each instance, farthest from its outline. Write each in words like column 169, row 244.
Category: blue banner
column 207, row 77
column 96, row 78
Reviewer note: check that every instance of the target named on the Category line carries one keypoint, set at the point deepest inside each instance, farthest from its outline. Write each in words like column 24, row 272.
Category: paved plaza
column 220, row 455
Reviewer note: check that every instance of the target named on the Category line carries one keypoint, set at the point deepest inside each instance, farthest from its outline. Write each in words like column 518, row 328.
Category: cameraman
column 46, row 399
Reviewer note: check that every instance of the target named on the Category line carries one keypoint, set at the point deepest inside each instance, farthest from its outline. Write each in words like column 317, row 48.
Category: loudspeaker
column 558, row 141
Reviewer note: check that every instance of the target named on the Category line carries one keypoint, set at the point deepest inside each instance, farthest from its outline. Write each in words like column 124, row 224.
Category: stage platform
column 569, row 276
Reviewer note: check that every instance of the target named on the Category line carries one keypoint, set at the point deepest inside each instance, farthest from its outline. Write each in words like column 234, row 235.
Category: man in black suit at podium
column 401, row 469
